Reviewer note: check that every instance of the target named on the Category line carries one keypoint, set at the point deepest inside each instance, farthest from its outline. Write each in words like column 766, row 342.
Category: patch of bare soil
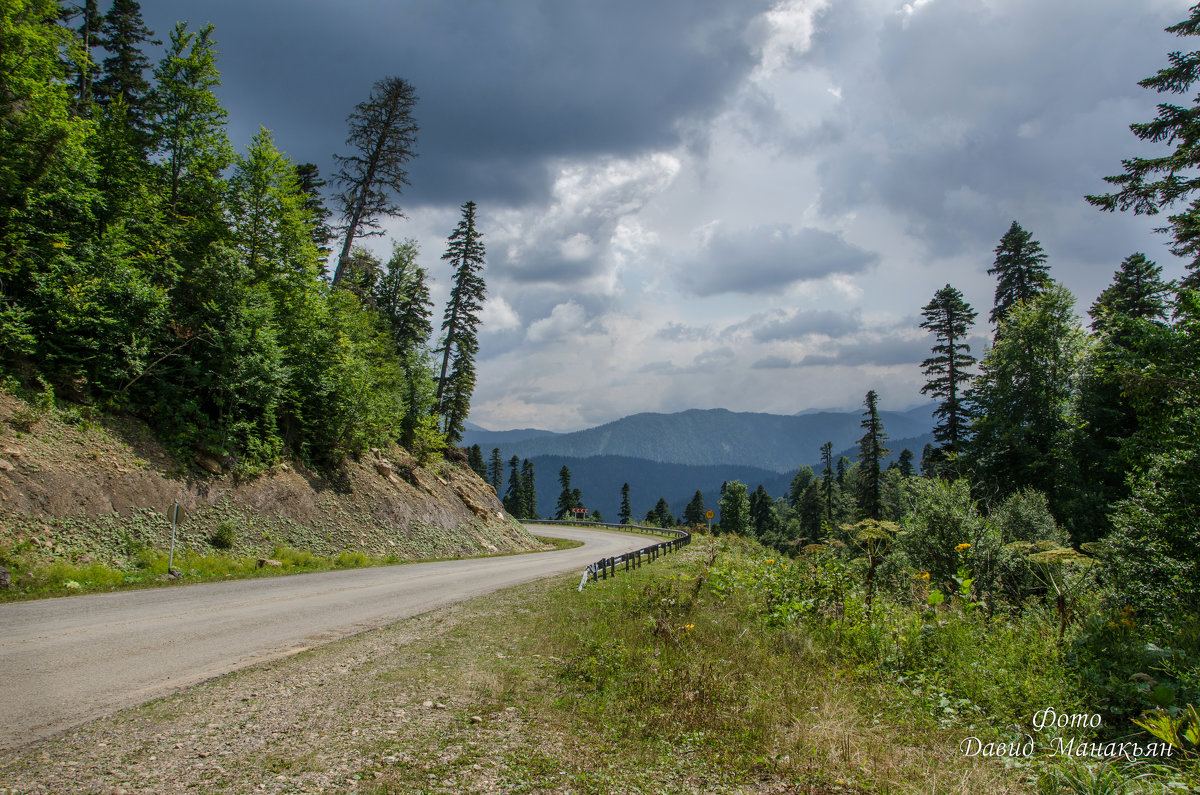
column 73, row 483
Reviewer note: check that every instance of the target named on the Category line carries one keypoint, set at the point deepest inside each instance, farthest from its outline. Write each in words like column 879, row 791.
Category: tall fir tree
column 1108, row 416
column 311, row 183
column 827, row 480
column 189, row 136
column 763, row 521
column 693, row 513
column 123, row 34
column 402, row 296
column 568, row 498
column 528, row 491
column 512, row 496
column 460, row 322
column 949, row 318
column 475, row 461
column 871, row 453
column 625, row 515
column 383, row 134
column 1150, row 184
column 495, row 470
column 1020, row 269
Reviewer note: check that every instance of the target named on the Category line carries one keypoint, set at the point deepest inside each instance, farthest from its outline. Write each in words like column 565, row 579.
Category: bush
column 225, row 536
column 942, row 517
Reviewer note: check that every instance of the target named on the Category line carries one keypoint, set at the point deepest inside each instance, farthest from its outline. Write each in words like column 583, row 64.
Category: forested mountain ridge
column 713, row 437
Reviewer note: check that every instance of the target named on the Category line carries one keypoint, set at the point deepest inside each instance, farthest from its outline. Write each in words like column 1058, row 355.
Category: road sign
column 709, row 514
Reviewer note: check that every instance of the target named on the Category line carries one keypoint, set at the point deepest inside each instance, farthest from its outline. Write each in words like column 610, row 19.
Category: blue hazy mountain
column 710, row 437
column 674, row 455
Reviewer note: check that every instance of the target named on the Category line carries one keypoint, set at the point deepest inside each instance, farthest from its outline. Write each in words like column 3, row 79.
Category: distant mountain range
column 709, row 437
column 673, row 455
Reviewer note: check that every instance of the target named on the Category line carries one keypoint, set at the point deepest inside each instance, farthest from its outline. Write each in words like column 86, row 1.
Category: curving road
column 66, row 661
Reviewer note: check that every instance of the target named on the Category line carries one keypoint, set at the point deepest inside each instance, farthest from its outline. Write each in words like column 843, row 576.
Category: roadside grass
column 665, row 679
column 33, row 577
column 649, row 683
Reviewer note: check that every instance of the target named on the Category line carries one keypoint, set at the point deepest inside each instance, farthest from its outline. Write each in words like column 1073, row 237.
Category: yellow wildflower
column 962, row 547
column 688, row 627
column 923, row 576
column 770, row 560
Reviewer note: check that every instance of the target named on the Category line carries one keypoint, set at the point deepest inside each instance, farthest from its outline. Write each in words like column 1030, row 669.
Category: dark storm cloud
column 965, row 114
column 501, row 86
column 769, row 258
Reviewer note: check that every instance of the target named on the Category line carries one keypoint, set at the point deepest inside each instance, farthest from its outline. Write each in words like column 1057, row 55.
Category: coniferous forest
column 147, row 267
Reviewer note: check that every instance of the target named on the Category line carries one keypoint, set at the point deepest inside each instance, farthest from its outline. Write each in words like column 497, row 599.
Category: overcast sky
column 719, row 203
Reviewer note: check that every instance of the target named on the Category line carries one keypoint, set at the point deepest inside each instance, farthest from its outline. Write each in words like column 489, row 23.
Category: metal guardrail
column 632, row 560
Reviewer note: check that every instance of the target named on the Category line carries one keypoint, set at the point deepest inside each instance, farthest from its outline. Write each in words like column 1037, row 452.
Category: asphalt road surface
column 67, row 661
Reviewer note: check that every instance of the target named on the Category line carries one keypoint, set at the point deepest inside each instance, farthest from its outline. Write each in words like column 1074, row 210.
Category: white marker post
column 174, row 524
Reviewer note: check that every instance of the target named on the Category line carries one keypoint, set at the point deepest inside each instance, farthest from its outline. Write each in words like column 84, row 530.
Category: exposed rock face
column 385, row 503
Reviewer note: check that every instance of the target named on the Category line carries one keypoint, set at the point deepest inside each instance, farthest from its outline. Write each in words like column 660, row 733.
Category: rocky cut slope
column 86, row 487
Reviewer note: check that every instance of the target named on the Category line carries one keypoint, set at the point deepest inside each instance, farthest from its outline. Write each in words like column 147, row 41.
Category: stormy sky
column 708, row 203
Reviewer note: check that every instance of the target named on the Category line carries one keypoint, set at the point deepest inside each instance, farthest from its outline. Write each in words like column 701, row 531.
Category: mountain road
column 69, row 660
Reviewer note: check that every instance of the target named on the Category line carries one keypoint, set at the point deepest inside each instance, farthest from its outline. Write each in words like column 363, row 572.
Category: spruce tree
column 512, row 496
column 528, row 491
column 799, row 484
column 460, row 322
column 905, row 463
column 311, row 184
column 382, row 136
column 495, row 470
column 1137, row 291
column 1108, row 415
column 1150, row 184
column 693, row 514
column 871, row 453
column 949, row 318
column 568, row 498
column 763, row 521
column 189, row 133
column 1020, row 269
column 625, row 515
column 123, row 74
column 402, row 296
column 827, row 480
column 475, row 461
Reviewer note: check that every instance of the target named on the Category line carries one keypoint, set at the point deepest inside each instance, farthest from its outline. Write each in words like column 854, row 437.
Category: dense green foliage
column 147, row 267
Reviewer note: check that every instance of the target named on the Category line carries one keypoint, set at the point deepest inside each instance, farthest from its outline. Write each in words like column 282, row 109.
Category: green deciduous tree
column 1020, row 269
column 1023, row 401
column 382, row 136
column 735, row 508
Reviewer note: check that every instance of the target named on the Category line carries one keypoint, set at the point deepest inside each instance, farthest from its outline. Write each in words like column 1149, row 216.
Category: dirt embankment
column 96, row 488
